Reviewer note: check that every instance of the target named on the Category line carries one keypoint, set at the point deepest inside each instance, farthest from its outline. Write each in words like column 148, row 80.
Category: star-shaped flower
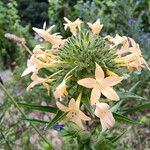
column 101, row 85
column 96, row 27
column 74, row 113
column 73, row 25
column 106, row 118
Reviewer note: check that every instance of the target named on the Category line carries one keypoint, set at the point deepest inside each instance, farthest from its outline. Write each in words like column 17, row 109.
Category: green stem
column 24, row 115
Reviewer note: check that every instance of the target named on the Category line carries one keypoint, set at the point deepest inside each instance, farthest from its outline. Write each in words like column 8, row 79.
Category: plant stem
column 26, row 48
column 24, row 115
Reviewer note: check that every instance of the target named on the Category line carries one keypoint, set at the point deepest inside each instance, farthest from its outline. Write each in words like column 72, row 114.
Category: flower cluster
column 83, row 61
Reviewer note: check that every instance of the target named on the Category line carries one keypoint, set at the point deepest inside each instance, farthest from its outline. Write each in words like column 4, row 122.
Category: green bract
column 83, row 50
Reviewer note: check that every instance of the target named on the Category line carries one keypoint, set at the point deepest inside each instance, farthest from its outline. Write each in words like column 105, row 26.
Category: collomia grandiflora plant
column 81, row 72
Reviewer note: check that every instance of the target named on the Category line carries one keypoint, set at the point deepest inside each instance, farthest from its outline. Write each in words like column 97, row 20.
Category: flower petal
column 42, row 33
column 87, row 82
column 110, row 93
column 72, row 104
column 61, row 91
column 104, row 125
column 78, row 101
column 66, row 118
column 62, row 107
column 67, row 20
column 109, row 118
column 28, row 70
column 78, row 121
column 83, row 116
column 113, row 80
column 95, row 95
column 107, row 121
column 99, row 73
column 100, row 109
column 32, row 84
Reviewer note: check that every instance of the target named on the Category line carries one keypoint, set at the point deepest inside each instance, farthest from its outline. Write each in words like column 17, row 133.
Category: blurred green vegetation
column 10, row 52
column 126, row 17
column 33, row 12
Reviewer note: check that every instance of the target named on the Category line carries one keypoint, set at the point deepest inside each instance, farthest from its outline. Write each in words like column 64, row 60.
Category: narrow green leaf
column 50, row 109
column 116, row 138
column 58, row 117
column 116, row 106
column 123, row 118
column 137, row 108
column 87, row 104
column 35, row 120
column 1, row 118
column 125, row 95
column 134, row 86
column 24, row 115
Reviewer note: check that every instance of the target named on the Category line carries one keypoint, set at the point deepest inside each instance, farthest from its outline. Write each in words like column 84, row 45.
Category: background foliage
column 10, row 53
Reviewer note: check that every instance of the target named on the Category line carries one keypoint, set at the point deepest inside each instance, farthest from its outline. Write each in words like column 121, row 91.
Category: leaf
column 58, row 117
column 35, row 120
column 134, row 86
column 85, row 101
column 84, row 136
column 123, row 118
column 137, row 108
column 125, row 95
column 104, row 144
column 71, row 129
column 116, row 138
column 50, row 109
column 17, row 106
column 116, row 106
column 1, row 118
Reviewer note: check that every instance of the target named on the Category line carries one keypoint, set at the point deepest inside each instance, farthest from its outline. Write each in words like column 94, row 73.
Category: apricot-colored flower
column 101, row 85
column 96, row 27
column 132, row 56
column 73, row 25
column 38, row 80
column 39, row 53
column 106, row 118
column 31, row 67
column 108, row 37
column 126, row 48
column 119, row 40
column 34, row 64
column 74, row 113
column 54, row 39
column 135, row 61
column 38, row 60
column 61, row 90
